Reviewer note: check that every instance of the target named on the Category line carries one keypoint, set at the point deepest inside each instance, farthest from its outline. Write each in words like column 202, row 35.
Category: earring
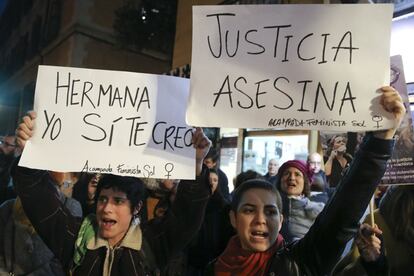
column 135, row 220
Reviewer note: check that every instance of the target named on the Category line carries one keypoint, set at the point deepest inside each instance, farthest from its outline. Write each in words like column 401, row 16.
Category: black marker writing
column 148, row 170
column 96, row 127
column 231, row 44
column 171, row 137
column 85, row 93
column 55, row 128
column 169, row 167
column 315, row 96
column 377, row 119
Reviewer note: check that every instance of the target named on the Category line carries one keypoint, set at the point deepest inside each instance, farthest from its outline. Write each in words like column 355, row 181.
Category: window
column 281, row 145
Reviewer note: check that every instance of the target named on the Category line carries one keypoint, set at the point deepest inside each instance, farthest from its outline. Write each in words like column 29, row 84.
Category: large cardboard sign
column 111, row 122
column 290, row 66
column 400, row 169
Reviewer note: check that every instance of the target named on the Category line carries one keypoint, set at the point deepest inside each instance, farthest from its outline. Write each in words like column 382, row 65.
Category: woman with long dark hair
column 393, row 255
column 84, row 191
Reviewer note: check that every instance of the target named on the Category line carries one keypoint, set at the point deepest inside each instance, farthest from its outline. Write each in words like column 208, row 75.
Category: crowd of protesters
column 295, row 220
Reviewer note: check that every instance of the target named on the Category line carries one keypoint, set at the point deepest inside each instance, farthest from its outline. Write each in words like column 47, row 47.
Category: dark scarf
column 5, row 162
column 237, row 261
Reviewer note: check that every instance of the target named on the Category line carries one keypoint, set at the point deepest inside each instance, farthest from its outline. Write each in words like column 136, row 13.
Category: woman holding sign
column 112, row 241
column 256, row 214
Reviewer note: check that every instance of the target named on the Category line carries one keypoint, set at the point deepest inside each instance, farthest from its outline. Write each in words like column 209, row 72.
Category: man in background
column 319, row 186
column 7, row 155
column 272, row 169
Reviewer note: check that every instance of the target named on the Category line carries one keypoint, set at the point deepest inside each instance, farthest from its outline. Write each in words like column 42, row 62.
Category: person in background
column 112, row 241
column 214, row 234
column 314, row 161
column 256, row 214
column 272, row 169
column 158, row 198
column 244, row 176
column 8, row 151
column 319, row 187
column 65, row 181
column 406, row 137
column 168, row 192
column 22, row 250
column 211, row 162
column 338, row 160
column 299, row 212
column 164, row 196
column 60, row 180
column 84, row 192
column 387, row 248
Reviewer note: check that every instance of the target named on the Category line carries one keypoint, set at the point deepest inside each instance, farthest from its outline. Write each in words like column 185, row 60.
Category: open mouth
column 260, row 234
column 108, row 223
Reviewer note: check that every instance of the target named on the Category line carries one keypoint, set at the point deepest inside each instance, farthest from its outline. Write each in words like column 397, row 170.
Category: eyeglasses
column 7, row 144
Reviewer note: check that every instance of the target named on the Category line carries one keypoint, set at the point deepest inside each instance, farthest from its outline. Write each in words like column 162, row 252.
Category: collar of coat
column 132, row 239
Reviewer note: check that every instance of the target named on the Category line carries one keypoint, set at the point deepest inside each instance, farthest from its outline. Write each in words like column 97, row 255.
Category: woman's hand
column 369, row 245
column 392, row 102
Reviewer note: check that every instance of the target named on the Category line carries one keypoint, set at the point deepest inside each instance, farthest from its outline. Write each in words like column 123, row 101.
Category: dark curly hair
column 131, row 186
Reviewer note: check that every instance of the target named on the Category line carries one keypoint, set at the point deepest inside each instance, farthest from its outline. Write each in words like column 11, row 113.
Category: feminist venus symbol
column 169, row 167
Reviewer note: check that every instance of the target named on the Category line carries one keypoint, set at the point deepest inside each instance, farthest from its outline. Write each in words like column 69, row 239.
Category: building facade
column 77, row 33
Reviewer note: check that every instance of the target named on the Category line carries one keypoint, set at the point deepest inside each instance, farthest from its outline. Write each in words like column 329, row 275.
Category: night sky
column 2, row 4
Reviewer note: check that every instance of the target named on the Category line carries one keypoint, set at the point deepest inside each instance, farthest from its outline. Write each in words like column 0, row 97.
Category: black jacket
column 214, row 234
column 162, row 238
column 320, row 249
column 322, row 246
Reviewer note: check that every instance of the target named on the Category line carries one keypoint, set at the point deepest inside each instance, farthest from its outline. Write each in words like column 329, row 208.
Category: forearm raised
column 339, row 220
column 55, row 225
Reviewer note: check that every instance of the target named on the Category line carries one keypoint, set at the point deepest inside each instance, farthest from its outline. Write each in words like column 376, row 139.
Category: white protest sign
column 111, row 122
column 290, row 66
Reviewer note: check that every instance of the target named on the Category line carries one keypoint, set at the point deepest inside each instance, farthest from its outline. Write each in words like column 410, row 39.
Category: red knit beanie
column 300, row 165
